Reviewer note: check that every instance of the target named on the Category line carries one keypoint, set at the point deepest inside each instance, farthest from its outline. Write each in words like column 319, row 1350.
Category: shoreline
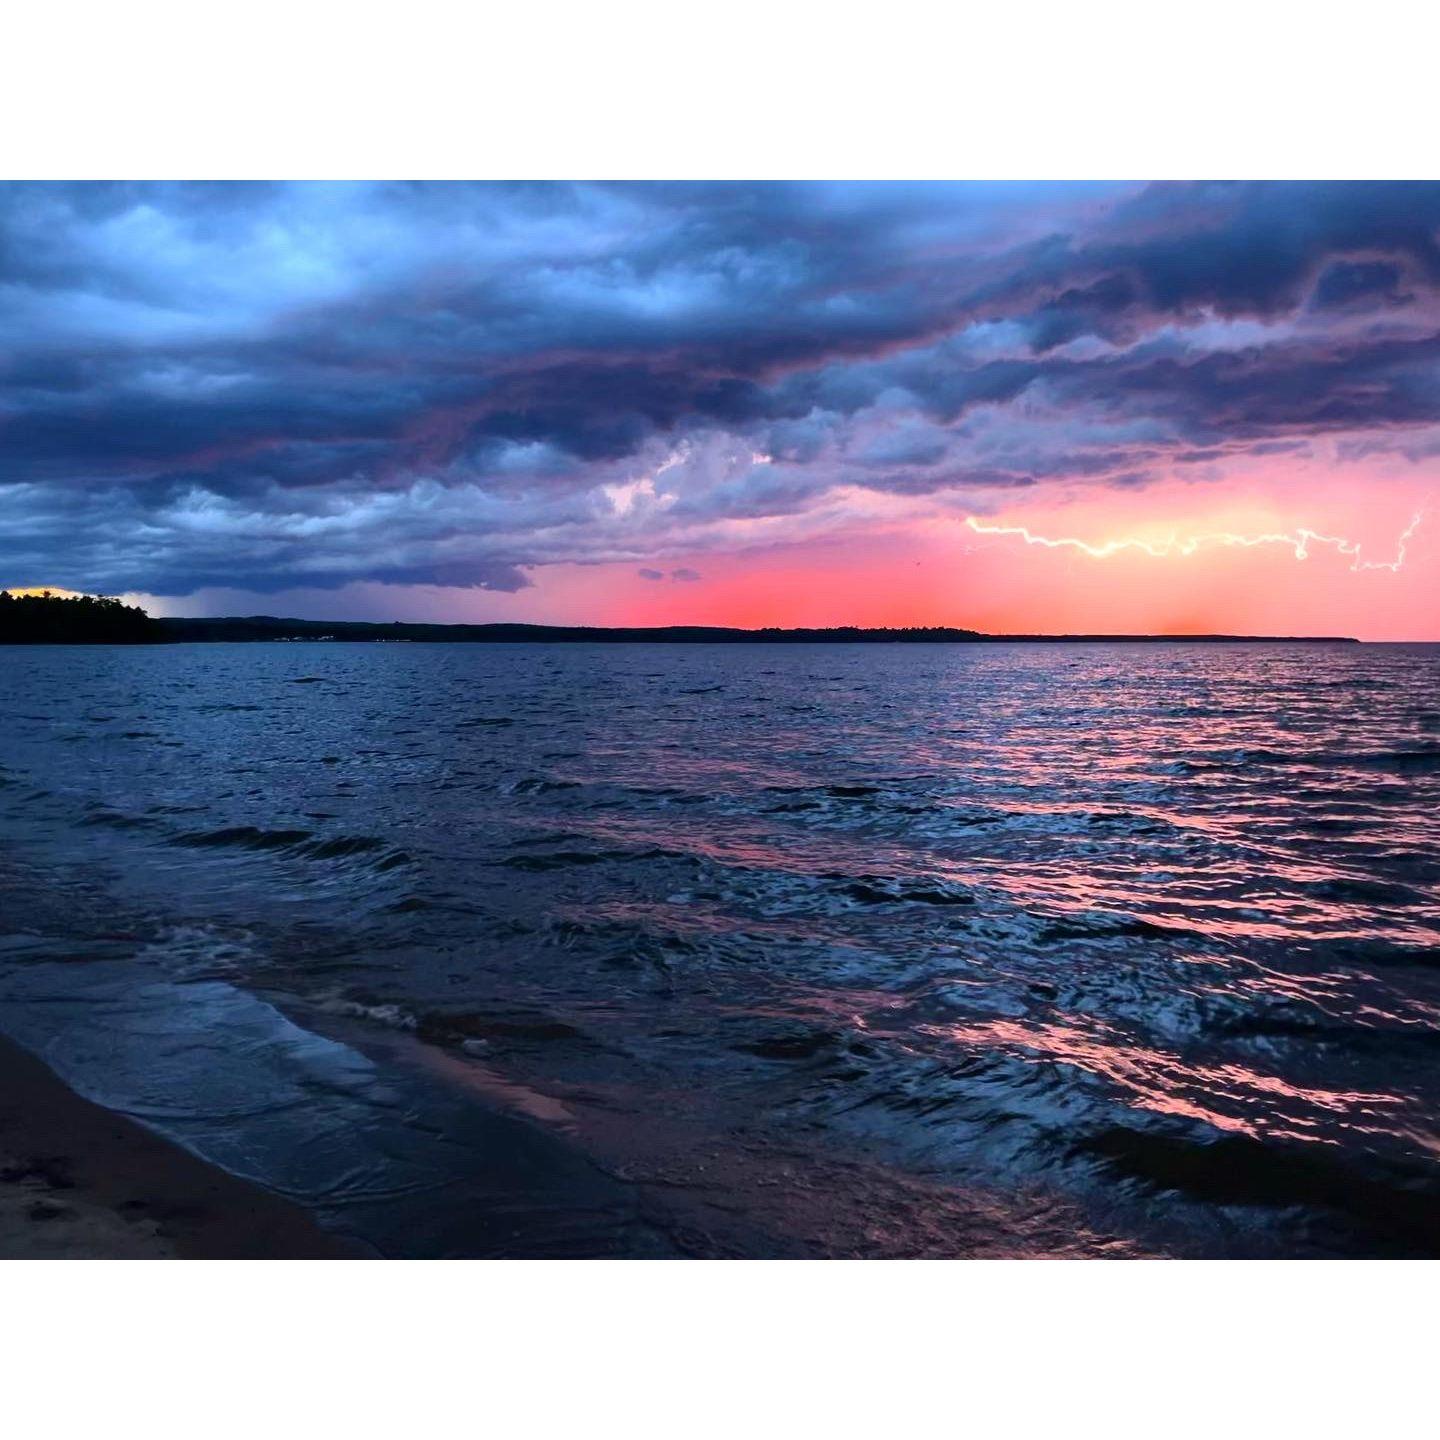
column 78, row 1181
column 81, row 620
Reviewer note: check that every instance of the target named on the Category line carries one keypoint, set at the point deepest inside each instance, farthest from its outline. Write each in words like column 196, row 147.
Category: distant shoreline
column 49, row 619
column 253, row 628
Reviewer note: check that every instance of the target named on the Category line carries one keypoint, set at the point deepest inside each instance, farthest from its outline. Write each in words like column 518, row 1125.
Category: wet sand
column 78, row 1181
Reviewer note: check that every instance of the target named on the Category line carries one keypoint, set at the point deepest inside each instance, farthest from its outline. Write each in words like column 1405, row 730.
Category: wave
column 1418, row 760
column 566, row 859
column 472, row 1030
column 1107, row 927
column 1381, row 1040
column 244, row 837
column 870, row 891
column 1401, row 1207
column 305, row 844
column 1360, row 890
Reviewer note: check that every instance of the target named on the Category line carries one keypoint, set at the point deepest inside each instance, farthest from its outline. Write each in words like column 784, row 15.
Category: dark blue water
column 717, row 950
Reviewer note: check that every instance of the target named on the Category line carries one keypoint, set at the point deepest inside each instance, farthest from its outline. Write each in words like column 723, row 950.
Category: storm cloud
column 262, row 386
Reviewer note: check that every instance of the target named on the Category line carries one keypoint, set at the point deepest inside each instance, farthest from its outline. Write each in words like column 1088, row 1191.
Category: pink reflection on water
column 1165, row 1084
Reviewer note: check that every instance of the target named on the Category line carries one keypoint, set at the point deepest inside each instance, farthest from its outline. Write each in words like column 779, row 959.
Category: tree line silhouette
column 48, row 619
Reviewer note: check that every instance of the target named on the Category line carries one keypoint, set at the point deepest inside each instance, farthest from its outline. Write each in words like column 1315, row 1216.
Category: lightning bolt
column 1406, row 536
column 1299, row 541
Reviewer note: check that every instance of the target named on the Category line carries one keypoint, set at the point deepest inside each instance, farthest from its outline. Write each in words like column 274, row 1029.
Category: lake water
column 749, row 950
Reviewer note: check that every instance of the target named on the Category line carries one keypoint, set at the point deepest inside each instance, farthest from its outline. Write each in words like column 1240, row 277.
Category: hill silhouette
column 271, row 627
column 91, row 619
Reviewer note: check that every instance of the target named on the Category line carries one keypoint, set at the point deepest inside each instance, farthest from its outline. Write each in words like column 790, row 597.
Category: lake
column 719, row 950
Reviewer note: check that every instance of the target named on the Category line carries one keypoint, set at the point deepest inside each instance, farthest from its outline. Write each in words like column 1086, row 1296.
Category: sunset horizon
column 1160, row 577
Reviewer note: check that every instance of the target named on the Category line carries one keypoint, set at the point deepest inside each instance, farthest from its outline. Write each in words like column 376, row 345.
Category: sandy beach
column 78, row 1181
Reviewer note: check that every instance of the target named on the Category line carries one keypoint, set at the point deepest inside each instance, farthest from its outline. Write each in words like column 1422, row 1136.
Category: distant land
column 267, row 627
column 82, row 620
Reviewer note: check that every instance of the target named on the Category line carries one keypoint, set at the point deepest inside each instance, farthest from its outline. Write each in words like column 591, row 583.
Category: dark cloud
column 271, row 385
column 1360, row 284
column 1231, row 250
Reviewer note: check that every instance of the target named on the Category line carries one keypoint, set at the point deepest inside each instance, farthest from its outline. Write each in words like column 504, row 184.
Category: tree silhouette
column 47, row 619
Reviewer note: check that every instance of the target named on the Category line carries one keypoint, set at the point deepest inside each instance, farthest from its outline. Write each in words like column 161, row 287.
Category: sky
column 1168, row 408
